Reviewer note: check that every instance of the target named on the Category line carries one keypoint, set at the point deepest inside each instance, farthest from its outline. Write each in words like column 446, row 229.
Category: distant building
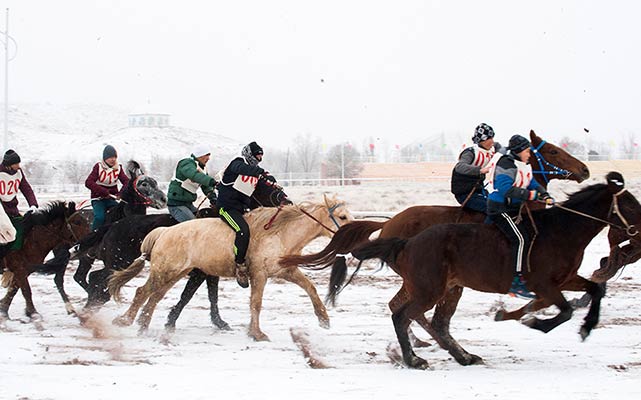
column 148, row 120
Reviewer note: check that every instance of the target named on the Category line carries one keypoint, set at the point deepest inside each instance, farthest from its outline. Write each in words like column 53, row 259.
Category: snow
column 65, row 360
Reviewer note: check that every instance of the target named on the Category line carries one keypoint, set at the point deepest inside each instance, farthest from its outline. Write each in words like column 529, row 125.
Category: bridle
column 541, row 161
column 629, row 229
column 147, row 200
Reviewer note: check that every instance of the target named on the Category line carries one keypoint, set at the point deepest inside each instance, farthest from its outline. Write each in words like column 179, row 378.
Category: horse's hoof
column 500, row 315
column 70, row 309
column 170, row 329
column 34, row 317
column 220, row 324
column 260, row 337
column 420, row 343
column 475, row 360
column 122, row 321
column 418, row 363
column 323, row 323
column 530, row 322
column 584, row 333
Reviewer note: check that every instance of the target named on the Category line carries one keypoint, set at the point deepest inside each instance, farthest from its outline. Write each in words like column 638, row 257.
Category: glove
column 546, row 198
column 33, row 208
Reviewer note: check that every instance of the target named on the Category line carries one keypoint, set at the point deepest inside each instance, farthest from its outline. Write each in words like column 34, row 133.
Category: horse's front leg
column 6, row 300
column 532, row 306
column 295, row 276
column 214, row 313
column 59, row 280
column 596, row 292
column 258, row 280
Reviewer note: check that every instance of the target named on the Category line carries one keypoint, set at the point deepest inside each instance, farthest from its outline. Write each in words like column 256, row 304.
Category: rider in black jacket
column 237, row 185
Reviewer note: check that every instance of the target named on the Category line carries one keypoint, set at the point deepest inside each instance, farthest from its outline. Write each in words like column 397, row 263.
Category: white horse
column 206, row 244
column 7, row 231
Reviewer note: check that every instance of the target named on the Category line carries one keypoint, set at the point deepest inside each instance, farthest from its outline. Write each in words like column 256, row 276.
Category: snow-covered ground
column 68, row 361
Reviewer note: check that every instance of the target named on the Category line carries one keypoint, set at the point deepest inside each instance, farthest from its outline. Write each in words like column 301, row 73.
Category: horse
column 207, row 245
column 120, row 244
column 45, row 229
column 435, row 264
column 141, row 192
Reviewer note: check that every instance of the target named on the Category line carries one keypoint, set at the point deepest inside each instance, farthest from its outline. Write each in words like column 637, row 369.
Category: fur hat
column 10, row 158
column 201, row 150
column 109, row 152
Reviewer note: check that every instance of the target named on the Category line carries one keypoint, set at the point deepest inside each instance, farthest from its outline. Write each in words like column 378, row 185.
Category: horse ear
column 534, row 139
column 615, row 181
column 325, row 199
column 71, row 207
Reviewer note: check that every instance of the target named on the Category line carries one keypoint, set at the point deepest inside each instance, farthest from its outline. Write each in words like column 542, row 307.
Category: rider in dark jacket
column 469, row 172
column 236, row 186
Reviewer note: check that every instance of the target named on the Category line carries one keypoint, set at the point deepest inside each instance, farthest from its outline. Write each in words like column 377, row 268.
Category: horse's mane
column 52, row 211
column 261, row 216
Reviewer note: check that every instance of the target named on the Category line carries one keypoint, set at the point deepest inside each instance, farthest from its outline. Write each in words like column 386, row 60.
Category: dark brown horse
column 435, row 264
column 47, row 228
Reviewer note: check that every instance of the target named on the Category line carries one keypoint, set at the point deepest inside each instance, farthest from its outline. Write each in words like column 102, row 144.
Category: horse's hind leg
column 142, row 294
column 397, row 301
column 159, row 290
column 6, row 300
column 295, row 276
column 212, row 291
column 445, row 309
column 80, row 276
column 532, row 306
column 196, row 278
column 97, row 291
column 402, row 319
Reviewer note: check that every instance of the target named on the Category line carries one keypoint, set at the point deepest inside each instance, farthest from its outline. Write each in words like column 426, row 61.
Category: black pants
column 235, row 219
column 518, row 236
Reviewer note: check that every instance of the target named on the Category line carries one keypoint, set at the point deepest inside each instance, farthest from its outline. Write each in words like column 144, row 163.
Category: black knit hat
column 518, row 143
column 109, row 152
column 10, row 158
column 255, row 149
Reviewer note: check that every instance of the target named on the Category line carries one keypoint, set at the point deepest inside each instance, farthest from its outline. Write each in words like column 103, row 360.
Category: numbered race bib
column 9, row 185
column 482, row 157
column 523, row 176
column 489, row 177
column 245, row 184
column 108, row 176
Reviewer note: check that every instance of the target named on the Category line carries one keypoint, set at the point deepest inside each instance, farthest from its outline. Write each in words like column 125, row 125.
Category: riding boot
column 518, row 288
column 242, row 275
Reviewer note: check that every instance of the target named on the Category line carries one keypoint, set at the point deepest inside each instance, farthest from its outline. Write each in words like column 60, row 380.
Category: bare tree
column 350, row 160
column 162, row 168
column 572, row 147
column 630, row 147
column 306, row 152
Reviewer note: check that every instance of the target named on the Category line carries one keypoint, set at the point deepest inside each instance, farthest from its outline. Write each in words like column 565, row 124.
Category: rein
column 629, row 229
column 146, row 202
column 331, row 215
column 541, row 160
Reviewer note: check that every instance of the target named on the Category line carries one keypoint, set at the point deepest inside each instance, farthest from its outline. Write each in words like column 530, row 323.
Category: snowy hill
column 56, row 133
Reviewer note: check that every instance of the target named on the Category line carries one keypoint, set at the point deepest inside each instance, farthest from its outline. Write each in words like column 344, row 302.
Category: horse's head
column 625, row 210
column 337, row 212
column 552, row 162
column 61, row 220
column 268, row 194
column 147, row 189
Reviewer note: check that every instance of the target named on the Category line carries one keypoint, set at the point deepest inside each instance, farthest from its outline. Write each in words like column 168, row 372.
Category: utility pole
column 6, row 84
column 342, row 163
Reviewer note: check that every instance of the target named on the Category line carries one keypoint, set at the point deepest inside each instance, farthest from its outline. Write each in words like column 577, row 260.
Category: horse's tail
column 346, row 238
column 120, row 278
column 386, row 249
column 90, row 240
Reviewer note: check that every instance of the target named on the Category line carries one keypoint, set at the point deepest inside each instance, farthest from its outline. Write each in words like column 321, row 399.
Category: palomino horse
column 436, row 263
column 54, row 225
column 206, row 244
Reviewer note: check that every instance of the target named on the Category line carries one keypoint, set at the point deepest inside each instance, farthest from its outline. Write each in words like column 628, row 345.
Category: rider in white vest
column 103, row 183
column 190, row 175
column 12, row 181
column 236, row 186
column 512, row 183
column 469, row 172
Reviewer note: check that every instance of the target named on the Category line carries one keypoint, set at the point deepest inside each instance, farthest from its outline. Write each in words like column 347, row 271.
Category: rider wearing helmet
column 469, row 172
column 238, row 182
column 511, row 178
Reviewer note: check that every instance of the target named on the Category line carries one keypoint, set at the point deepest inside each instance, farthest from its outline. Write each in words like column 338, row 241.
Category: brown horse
column 207, row 245
column 435, row 264
column 54, row 225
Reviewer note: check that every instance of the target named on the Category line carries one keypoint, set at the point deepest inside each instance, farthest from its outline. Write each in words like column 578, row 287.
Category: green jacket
column 188, row 177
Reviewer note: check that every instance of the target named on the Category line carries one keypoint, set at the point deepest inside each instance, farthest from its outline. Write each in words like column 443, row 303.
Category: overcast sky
column 399, row 70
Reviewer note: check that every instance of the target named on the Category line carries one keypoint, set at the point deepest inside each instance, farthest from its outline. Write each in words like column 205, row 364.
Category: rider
column 103, row 183
column 190, row 175
column 469, row 172
column 12, row 180
column 236, row 186
column 512, row 185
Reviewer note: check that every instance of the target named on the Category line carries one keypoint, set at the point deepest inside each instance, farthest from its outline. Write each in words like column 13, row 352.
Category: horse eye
column 554, row 152
column 342, row 217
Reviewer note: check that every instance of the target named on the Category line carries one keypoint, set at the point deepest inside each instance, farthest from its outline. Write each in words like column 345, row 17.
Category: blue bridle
column 541, row 160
